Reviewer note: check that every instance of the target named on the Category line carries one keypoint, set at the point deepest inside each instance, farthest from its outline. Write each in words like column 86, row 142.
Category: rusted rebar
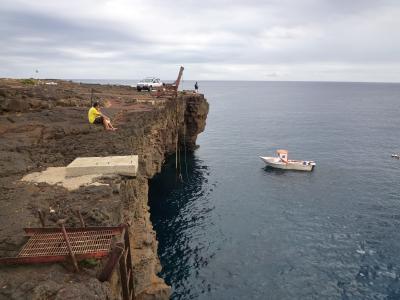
column 124, row 277
column 115, row 256
column 78, row 212
column 112, row 261
column 75, row 263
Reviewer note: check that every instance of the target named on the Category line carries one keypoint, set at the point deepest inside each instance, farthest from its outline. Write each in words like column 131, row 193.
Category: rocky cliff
column 39, row 131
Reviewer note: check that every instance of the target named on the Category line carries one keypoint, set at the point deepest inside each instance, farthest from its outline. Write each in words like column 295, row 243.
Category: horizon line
column 213, row 80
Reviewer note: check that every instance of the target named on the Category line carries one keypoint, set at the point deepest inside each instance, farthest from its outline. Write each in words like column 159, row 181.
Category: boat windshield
column 283, row 155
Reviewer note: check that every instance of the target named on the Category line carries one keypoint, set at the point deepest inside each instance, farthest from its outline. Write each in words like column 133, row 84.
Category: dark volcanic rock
column 34, row 137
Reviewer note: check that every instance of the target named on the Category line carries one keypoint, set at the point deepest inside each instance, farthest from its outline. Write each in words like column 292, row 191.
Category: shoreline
column 46, row 126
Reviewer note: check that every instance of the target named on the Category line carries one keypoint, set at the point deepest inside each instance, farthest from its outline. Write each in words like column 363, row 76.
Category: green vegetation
column 30, row 81
column 89, row 262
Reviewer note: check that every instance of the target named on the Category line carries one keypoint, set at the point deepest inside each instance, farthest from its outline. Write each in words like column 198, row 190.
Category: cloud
column 252, row 40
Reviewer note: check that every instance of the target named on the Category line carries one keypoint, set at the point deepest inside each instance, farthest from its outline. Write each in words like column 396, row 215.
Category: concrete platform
column 121, row 165
column 57, row 176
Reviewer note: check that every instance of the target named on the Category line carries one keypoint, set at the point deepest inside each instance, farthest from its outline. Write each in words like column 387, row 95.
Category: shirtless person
column 95, row 116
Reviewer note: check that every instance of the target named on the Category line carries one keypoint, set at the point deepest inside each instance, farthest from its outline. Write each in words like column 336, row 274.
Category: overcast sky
column 339, row 40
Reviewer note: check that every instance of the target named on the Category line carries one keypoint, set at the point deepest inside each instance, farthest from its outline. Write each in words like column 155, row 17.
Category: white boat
column 282, row 162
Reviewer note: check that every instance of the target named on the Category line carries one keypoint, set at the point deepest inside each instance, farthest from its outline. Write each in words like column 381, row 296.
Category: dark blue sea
column 236, row 230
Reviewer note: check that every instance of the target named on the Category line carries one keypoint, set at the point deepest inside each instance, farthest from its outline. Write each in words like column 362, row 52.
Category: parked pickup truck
column 148, row 84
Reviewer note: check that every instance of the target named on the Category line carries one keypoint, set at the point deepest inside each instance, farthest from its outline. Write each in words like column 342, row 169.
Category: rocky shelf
column 45, row 125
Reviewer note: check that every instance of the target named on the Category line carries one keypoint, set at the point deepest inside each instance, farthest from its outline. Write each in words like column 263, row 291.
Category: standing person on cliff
column 95, row 116
column 196, row 87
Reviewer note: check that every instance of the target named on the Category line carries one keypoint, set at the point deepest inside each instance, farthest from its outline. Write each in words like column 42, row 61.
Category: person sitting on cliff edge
column 95, row 116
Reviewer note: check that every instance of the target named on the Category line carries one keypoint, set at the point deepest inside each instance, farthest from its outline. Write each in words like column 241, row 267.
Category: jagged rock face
column 40, row 138
column 159, row 141
column 195, row 118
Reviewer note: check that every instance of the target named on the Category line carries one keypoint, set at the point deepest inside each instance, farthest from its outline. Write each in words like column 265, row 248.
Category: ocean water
column 237, row 230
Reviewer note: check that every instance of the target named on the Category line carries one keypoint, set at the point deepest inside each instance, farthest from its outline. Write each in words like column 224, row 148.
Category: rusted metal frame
column 129, row 265
column 131, row 284
column 115, row 229
column 171, row 89
column 130, row 274
column 116, row 255
column 49, row 258
column 178, row 80
column 126, row 269
column 126, row 253
column 71, row 252
column 123, row 268
column 124, row 279
column 114, row 258
column 60, row 248
column 112, row 261
column 78, row 212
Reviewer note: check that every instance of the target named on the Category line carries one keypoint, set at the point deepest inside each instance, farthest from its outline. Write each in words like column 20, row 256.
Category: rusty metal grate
column 48, row 244
column 82, row 242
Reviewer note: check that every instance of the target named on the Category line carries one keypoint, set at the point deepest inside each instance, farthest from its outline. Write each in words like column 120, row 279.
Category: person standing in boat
column 196, row 87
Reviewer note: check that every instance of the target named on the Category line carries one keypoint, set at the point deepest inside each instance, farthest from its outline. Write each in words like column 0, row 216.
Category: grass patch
column 89, row 262
column 29, row 81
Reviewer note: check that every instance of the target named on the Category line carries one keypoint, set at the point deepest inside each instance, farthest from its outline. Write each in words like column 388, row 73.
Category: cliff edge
column 45, row 125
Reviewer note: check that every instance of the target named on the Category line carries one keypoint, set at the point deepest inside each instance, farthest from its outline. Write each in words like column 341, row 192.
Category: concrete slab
column 121, row 165
column 57, row 176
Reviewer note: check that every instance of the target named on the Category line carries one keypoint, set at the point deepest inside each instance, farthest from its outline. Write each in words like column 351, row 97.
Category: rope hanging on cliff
column 178, row 154
column 178, row 160
column 184, row 145
column 184, row 133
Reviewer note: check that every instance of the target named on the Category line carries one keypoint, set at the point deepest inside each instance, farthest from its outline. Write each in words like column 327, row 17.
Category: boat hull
column 298, row 165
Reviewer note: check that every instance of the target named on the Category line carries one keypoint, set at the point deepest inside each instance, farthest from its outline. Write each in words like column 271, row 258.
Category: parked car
column 148, row 84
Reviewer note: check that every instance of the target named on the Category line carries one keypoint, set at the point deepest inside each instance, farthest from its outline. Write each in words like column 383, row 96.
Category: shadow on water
column 274, row 171
column 180, row 211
